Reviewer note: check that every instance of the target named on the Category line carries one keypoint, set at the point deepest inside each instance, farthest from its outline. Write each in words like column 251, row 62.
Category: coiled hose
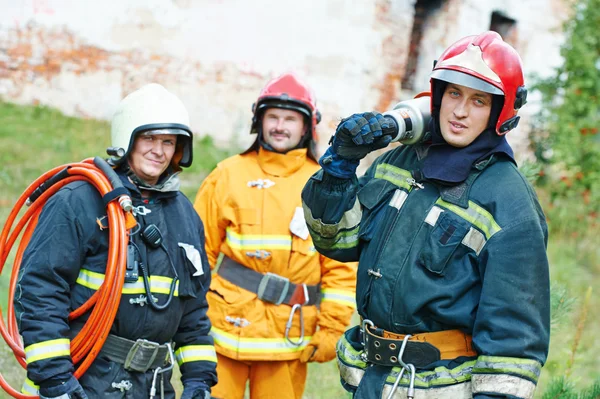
column 105, row 302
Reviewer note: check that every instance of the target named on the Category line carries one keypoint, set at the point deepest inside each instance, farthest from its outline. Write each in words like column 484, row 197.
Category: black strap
column 114, row 194
column 385, row 351
column 269, row 287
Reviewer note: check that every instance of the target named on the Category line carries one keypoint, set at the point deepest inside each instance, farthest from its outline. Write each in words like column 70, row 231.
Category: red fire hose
column 105, row 302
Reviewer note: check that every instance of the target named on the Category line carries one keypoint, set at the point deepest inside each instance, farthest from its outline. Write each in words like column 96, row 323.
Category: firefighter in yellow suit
column 275, row 303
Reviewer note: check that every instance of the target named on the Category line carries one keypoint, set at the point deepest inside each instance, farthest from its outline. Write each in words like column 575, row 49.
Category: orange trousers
column 268, row 379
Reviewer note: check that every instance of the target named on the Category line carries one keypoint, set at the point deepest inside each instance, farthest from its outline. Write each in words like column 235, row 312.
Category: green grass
column 35, row 139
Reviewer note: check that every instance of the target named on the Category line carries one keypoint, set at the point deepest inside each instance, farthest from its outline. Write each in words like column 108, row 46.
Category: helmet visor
column 285, row 104
column 166, row 131
column 463, row 79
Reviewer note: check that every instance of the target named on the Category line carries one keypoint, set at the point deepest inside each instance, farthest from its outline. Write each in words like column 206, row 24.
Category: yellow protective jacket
column 247, row 204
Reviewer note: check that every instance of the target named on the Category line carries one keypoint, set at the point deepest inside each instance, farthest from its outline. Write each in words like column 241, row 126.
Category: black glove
column 360, row 134
column 195, row 389
column 62, row 384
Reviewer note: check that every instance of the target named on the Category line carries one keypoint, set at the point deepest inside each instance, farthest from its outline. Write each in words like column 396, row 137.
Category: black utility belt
column 140, row 356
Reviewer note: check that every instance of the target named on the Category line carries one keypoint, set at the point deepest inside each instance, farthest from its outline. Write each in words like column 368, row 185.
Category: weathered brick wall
column 82, row 57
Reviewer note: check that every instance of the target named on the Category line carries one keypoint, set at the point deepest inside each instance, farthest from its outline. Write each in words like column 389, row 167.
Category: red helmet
column 486, row 63
column 288, row 92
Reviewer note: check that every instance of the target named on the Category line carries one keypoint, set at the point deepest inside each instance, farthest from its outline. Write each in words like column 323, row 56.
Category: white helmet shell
column 152, row 107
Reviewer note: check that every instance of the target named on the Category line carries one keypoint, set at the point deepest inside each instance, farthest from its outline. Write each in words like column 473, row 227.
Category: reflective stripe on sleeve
column 195, row 353
column 340, row 296
column 48, row 349
column 506, row 375
column 158, row 284
column 29, row 388
column 503, row 384
column 350, row 220
column 343, row 240
column 525, row 368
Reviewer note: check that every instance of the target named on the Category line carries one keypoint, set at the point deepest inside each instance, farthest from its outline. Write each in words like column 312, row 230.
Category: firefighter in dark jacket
column 453, row 280
column 162, row 313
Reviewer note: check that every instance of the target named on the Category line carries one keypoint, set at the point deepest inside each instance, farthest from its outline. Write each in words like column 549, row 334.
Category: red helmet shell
column 289, row 92
column 487, row 63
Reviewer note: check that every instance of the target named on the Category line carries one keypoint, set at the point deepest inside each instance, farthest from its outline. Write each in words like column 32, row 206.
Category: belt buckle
column 264, row 282
column 141, row 356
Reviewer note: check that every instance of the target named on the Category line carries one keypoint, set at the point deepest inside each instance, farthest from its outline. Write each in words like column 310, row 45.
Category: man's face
column 282, row 128
column 151, row 155
column 464, row 114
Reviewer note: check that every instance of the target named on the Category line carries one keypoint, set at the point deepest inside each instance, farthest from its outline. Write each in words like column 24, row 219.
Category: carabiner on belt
column 410, row 394
column 288, row 325
column 160, row 370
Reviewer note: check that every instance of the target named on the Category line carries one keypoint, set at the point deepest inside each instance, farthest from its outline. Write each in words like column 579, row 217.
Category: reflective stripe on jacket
column 434, row 258
column 251, row 208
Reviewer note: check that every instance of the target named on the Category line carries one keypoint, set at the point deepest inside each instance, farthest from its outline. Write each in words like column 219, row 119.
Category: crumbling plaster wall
column 84, row 56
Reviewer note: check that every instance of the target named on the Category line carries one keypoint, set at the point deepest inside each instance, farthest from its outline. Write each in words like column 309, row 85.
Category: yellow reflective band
column 258, row 241
column 29, row 388
column 196, row 353
column 340, row 296
column 394, row 175
column 475, row 215
column 256, row 345
column 350, row 220
column 48, row 349
column 158, row 284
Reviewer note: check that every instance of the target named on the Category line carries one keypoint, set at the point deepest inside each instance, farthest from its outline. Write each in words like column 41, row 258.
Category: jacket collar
column 168, row 188
column 276, row 164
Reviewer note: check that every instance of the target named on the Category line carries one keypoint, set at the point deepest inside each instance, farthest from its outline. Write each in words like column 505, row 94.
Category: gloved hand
column 62, row 384
column 195, row 389
column 321, row 347
column 354, row 138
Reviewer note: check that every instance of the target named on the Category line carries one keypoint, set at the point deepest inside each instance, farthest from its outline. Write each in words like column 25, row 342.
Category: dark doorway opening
column 423, row 10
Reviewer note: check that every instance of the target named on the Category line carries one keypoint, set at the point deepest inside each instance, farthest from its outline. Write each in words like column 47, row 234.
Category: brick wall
column 83, row 57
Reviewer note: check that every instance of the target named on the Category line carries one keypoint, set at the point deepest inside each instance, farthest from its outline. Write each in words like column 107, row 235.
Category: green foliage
column 561, row 304
column 566, row 137
column 562, row 388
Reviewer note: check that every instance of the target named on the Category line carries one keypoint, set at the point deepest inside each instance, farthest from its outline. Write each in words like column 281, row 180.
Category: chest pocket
column 194, row 268
column 447, row 231
column 374, row 197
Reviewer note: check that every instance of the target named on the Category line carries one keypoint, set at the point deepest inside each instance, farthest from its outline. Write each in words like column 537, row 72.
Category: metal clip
column 160, row 370
column 363, row 329
column 141, row 300
column 414, row 183
column 410, row 394
column 258, row 254
column 140, row 210
column 375, row 273
column 288, row 325
column 237, row 321
column 124, row 385
column 260, row 183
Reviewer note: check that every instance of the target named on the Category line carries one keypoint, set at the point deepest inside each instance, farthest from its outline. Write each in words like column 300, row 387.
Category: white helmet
column 152, row 108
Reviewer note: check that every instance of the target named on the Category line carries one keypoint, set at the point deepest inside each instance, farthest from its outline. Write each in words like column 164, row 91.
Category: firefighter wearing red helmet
column 275, row 303
column 453, row 281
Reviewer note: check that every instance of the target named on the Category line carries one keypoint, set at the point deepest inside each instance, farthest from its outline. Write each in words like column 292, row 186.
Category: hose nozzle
column 409, row 120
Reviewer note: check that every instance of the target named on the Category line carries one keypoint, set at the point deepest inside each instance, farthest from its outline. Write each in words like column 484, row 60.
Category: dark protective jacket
column 64, row 265
column 433, row 258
